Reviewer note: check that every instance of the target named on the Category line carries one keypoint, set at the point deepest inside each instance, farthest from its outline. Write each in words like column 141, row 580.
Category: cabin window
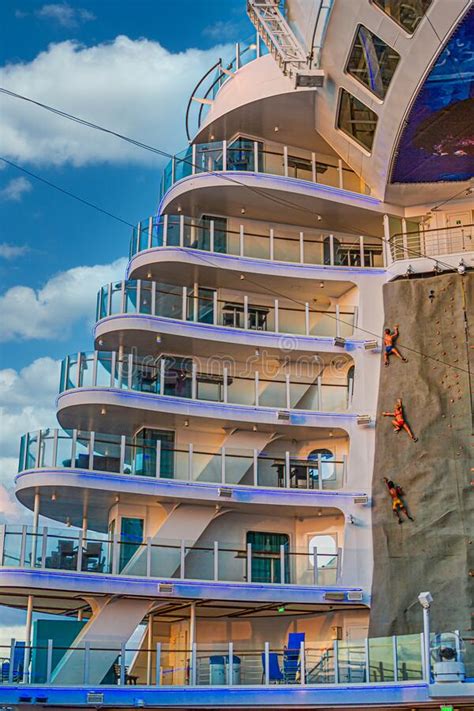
column 407, row 13
column 356, row 119
column 372, row 61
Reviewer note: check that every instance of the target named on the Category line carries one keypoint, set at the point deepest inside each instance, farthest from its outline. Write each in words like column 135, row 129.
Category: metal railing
column 302, row 662
column 279, row 38
column 209, row 85
column 137, row 456
column 183, row 379
column 202, row 305
column 433, row 242
column 209, row 235
column 82, row 551
column 245, row 155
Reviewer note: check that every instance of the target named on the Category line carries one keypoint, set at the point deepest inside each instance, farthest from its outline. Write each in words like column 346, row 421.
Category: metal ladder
column 277, row 35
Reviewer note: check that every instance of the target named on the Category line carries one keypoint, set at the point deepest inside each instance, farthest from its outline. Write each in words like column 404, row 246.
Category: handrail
column 135, row 456
column 214, row 66
column 332, row 248
column 432, row 242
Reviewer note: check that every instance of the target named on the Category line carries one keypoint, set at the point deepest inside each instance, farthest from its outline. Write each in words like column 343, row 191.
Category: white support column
column 215, row 308
column 158, row 459
column 223, row 465
column 257, row 387
column 255, row 156
column 225, row 385
column 139, row 296
column 405, row 238
column 216, row 560
column 165, row 230
column 267, row 663
column 29, row 620
column 302, row 664
column 158, row 664
column 277, row 317
column 149, row 655
column 306, row 319
column 301, row 247
column 255, row 467
column 367, row 660
column 195, row 302
column 362, row 252
column 426, row 646
column 49, row 661
column 162, row 375
column 272, row 244
column 287, row 470
column 181, row 230
column 241, row 241
column 387, row 257
column 288, row 390
column 336, row 661
column 211, row 237
column 224, row 155
column 395, row 657
column 230, row 680
column 153, row 298
column 150, row 231
column 285, row 161
column 320, row 472
column 246, row 312
column 190, row 461
column 313, row 168
column 193, row 159
column 282, row 564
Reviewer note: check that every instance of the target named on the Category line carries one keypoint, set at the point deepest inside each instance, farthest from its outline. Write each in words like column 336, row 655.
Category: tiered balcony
column 309, row 247
column 81, row 552
column 457, row 239
column 244, row 155
column 184, row 380
column 238, row 317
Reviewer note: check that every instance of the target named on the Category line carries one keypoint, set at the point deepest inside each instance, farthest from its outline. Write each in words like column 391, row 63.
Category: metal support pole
column 302, row 664
column 315, row 566
column 158, row 664
column 255, row 467
column 395, row 657
column 301, row 247
column 426, row 645
column 267, row 663
column 336, row 661
column 149, row 658
column 230, row 680
column 36, row 514
column 216, row 560
column 282, row 564
column 49, row 661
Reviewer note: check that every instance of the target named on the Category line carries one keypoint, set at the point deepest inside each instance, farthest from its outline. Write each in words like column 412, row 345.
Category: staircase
column 277, row 35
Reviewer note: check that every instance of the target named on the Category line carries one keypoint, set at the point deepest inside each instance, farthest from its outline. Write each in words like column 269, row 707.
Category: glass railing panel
column 313, row 252
column 381, row 659
column 272, row 393
column 327, row 175
column 143, row 237
column 206, row 467
column 12, row 546
column 146, row 378
column 304, row 396
column 181, row 465
column 285, row 250
column 61, row 549
column 346, row 324
column 81, row 460
column 409, row 657
column 233, row 244
column 241, row 391
column 209, row 157
column 300, row 168
column 69, row 377
column 47, row 448
column 198, row 562
column 96, row 553
column 106, row 456
column 183, row 164
column 333, row 474
column 169, row 301
column 103, row 302
column 104, row 367
column 167, row 179
column 322, row 323
column 232, row 563
column 165, row 559
column 292, row 321
column 173, row 231
column 352, row 662
column 130, row 297
column 238, row 466
column 465, row 640
column 145, row 297
column 116, row 298
column 270, row 471
column 31, row 449
column 334, row 398
column 241, row 158
column 352, row 182
column 255, row 247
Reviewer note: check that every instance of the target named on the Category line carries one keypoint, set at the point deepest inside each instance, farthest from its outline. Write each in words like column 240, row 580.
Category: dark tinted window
column 408, row 13
column 372, row 62
column 356, row 119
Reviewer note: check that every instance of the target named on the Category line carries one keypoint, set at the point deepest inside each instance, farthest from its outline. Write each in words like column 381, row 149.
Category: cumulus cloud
column 15, row 189
column 135, row 87
column 12, row 251
column 65, row 15
column 52, row 311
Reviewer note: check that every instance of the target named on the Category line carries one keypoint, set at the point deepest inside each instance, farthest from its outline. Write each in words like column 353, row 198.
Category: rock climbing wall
column 435, row 552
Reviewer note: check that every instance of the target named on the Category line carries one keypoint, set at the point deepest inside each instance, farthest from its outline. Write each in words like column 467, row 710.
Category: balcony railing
column 212, row 235
column 202, row 306
column 181, row 378
column 243, row 155
column 432, row 243
column 80, row 551
column 137, row 456
column 208, row 87
column 304, row 662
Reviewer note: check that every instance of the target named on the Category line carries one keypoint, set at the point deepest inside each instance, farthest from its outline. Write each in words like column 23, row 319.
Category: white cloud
column 223, row 30
column 52, row 311
column 11, row 251
column 65, row 15
column 135, row 87
column 15, row 189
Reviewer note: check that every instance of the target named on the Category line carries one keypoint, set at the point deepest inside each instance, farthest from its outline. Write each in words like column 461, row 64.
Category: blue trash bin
column 217, row 675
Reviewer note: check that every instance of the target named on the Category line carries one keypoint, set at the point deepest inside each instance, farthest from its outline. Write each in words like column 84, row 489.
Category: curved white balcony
column 132, row 313
column 60, row 465
column 97, row 562
column 276, row 247
column 107, row 385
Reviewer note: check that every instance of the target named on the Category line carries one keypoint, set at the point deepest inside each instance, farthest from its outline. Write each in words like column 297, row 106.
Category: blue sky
column 129, row 65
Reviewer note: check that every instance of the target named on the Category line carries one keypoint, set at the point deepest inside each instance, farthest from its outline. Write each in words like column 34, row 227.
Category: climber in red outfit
column 399, row 421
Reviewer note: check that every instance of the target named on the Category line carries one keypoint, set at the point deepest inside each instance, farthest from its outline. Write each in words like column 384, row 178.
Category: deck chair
column 274, row 671
column 291, row 657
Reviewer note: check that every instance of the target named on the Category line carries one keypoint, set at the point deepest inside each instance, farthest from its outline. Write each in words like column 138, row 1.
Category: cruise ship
column 258, row 493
